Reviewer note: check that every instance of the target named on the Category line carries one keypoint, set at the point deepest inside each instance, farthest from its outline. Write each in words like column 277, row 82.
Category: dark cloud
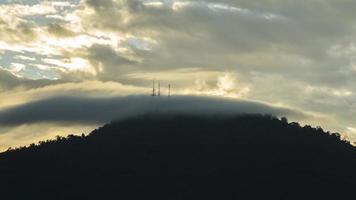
column 101, row 110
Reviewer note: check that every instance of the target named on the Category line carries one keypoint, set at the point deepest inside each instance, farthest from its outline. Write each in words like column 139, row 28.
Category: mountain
column 159, row 156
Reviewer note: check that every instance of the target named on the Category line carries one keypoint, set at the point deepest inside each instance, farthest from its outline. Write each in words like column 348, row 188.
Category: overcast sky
column 294, row 56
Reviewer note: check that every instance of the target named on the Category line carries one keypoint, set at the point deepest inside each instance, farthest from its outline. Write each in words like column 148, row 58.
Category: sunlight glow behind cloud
column 293, row 53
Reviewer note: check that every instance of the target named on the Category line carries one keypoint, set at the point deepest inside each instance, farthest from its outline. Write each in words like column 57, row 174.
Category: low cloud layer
column 75, row 110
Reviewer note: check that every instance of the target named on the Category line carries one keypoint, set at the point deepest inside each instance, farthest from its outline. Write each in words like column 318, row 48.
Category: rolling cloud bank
column 101, row 110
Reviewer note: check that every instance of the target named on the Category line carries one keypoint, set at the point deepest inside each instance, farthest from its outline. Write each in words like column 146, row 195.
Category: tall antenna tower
column 153, row 88
column 159, row 88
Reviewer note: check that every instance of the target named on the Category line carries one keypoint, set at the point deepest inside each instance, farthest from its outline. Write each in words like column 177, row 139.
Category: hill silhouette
column 185, row 157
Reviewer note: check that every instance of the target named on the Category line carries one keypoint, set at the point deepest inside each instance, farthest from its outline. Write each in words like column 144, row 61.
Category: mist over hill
column 88, row 110
column 166, row 156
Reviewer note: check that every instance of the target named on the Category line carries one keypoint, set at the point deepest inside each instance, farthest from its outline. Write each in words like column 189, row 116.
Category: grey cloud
column 9, row 81
column 294, row 47
column 241, row 31
column 21, row 33
column 107, row 14
column 113, row 62
column 100, row 4
column 196, row 36
column 60, row 31
column 101, row 110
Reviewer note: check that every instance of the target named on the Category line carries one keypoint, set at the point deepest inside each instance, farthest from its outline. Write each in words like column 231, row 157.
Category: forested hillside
column 185, row 157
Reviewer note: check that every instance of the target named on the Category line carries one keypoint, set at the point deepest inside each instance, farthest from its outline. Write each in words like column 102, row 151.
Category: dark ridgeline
column 185, row 157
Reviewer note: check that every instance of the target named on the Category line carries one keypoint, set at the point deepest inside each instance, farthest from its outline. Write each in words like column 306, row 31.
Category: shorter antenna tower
column 169, row 90
column 153, row 88
column 159, row 88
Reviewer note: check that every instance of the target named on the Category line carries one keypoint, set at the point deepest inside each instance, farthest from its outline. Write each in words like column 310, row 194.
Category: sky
column 70, row 66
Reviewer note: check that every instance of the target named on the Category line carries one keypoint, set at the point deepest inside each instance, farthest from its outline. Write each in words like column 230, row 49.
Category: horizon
column 99, row 57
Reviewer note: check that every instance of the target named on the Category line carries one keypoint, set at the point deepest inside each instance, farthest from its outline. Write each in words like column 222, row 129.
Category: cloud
column 298, row 54
column 18, row 94
column 60, row 31
column 109, row 62
column 234, row 35
column 101, row 110
column 26, row 58
column 100, row 4
column 43, row 8
column 17, row 32
column 9, row 81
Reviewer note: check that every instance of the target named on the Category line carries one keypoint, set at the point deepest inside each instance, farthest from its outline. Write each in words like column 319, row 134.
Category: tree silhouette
column 184, row 157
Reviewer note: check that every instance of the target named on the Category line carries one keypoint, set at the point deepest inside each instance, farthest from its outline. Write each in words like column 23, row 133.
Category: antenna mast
column 153, row 89
column 159, row 88
column 169, row 90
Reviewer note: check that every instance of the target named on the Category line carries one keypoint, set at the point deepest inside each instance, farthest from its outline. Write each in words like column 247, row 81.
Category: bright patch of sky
column 27, row 2
column 32, row 2
column 28, row 65
column 33, row 13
